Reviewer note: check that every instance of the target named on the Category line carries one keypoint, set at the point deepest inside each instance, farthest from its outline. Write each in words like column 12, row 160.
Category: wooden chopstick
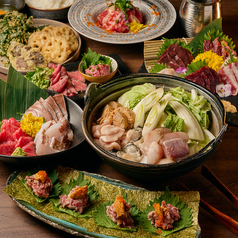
column 227, row 221
column 210, row 176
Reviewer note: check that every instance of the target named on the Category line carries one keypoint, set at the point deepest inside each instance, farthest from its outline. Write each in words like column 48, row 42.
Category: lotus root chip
column 38, row 40
column 65, row 32
column 58, row 48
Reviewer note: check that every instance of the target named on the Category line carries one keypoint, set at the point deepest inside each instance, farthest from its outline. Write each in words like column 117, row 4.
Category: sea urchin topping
column 119, row 205
column 41, row 175
column 79, row 192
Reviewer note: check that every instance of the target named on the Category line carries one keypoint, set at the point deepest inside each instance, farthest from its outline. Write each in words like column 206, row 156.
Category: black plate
column 75, row 113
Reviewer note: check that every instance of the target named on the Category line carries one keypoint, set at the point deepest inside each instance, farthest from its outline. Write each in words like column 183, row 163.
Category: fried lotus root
column 65, row 32
column 57, row 48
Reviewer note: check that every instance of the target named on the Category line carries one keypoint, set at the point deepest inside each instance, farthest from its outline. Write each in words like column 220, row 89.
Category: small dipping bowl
column 100, row 79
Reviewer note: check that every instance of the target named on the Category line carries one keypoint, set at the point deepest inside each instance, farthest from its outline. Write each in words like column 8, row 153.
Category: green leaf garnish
column 212, row 35
column 169, row 42
column 102, row 219
column 158, row 67
column 214, row 25
column 196, row 66
column 53, row 175
column 185, row 220
column 92, row 197
column 92, row 58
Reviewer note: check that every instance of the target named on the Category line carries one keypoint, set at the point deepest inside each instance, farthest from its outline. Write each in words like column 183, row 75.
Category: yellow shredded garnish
column 31, row 125
column 135, row 26
column 213, row 60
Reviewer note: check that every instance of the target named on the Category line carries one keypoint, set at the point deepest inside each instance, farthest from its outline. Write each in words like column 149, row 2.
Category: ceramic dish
column 160, row 16
column 74, row 227
column 101, row 79
column 42, row 22
column 99, row 95
column 53, row 14
column 75, row 113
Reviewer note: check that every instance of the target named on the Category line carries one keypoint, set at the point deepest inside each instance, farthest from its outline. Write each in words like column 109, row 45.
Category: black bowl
column 97, row 96
column 75, row 113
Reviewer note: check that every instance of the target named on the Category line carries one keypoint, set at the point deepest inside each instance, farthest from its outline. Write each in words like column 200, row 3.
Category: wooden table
column 14, row 222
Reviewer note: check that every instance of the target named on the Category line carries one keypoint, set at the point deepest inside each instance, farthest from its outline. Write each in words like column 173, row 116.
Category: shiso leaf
column 102, row 219
column 53, row 175
column 214, row 25
column 19, row 95
column 92, row 197
column 185, row 220
column 92, row 58
column 158, row 67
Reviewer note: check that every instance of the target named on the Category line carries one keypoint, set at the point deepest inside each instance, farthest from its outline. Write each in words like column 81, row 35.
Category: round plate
column 42, row 22
column 160, row 17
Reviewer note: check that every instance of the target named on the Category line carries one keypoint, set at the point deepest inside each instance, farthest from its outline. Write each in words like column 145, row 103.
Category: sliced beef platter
column 206, row 77
column 176, row 56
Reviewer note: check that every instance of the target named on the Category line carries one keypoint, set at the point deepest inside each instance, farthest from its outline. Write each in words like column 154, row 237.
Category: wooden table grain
column 14, row 222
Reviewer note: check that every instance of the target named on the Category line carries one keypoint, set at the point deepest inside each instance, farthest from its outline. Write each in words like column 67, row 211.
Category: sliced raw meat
column 38, row 110
column 175, row 148
column 206, row 77
column 7, row 148
column 79, row 85
column 60, row 85
column 176, row 56
column 49, row 108
column 54, row 105
column 60, row 101
column 18, row 133
column 76, row 75
column 30, row 149
column 24, row 140
column 229, row 75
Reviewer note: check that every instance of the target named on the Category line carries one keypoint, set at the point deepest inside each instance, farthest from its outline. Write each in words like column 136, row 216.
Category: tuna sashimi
column 24, row 140
column 7, row 148
column 30, row 149
column 18, row 133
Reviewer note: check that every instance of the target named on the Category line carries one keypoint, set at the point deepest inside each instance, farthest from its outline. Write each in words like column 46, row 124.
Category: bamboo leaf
column 19, row 95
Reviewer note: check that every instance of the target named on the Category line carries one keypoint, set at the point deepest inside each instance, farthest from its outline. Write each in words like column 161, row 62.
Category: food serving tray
column 75, row 229
column 150, row 56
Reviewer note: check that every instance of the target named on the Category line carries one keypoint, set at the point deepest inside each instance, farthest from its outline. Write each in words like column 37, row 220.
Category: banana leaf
column 19, row 94
column 216, row 25
column 2, row 91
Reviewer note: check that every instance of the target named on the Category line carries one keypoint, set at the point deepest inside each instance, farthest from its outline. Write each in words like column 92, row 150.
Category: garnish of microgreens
column 123, row 5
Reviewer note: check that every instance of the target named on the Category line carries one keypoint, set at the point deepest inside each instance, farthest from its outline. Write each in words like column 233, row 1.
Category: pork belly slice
column 60, row 101
column 229, row 75
column 38, row 110
column 49, row 108
column 55, row 107
column 176, row 148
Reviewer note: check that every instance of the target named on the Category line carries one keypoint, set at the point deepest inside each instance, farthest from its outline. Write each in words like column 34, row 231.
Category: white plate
column 160, row 16
column 41, row 22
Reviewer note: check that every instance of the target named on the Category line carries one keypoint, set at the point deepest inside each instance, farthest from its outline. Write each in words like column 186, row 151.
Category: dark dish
column 97, row 96
column 75, row 113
